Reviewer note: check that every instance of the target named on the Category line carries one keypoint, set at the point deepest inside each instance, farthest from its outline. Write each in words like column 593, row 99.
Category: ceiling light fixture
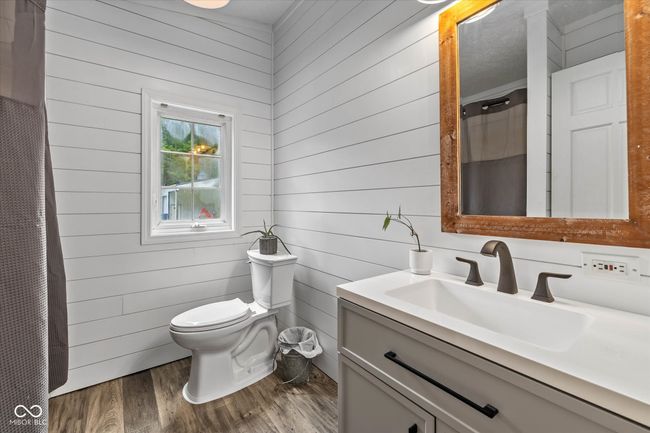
column 208, row 4
column 482, row 14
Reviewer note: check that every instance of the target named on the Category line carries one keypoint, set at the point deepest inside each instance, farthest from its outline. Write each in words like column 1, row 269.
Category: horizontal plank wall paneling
column 594, row 36
column 340, row 122
column 100, row 54
column 356, row 124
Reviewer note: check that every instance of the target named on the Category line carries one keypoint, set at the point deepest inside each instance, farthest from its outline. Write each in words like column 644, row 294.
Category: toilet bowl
column 233, row 343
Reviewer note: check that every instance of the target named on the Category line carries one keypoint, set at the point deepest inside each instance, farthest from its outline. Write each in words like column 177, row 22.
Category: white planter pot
column 421, row 262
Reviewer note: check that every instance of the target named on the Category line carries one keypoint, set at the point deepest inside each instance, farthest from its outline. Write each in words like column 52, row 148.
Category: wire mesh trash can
column 298, row 346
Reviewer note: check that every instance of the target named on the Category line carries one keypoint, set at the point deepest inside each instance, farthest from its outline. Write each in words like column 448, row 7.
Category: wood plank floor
column 151, row 402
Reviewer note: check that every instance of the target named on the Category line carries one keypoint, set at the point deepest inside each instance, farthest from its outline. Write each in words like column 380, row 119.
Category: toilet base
column 223, row 392
column 216, row 372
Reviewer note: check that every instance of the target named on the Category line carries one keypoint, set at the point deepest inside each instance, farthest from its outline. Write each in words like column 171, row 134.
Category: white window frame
column 155, row 105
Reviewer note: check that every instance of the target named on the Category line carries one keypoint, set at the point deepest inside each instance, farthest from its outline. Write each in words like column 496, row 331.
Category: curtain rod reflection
column 495, row 103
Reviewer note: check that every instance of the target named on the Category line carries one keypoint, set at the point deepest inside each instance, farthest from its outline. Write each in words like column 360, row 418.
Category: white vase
column 421, row 262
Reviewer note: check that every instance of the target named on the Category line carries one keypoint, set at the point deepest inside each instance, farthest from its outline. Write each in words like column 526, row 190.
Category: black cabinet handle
column 413, row 428
column 487, row 410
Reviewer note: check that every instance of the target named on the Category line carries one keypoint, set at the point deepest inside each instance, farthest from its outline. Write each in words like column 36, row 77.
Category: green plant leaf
column 270, row 230
column 386, row 222
column 283, row 244
column 257, row 239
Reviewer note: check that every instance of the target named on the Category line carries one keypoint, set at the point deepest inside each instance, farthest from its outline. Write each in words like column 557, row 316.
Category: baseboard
column 110, row 369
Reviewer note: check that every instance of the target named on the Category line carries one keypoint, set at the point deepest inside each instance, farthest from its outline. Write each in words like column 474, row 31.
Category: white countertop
column 608, row 365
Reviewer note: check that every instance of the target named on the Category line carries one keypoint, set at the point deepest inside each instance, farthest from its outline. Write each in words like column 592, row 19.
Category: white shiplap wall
column 554, row 62
column 356, row 133
column 594, row 36
column 100, row 54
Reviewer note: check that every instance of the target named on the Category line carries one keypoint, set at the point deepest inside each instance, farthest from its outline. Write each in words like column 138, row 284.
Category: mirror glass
column 542, row 110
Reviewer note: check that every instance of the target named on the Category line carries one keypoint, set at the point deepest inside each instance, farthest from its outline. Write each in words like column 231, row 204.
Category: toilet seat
column 212, row 316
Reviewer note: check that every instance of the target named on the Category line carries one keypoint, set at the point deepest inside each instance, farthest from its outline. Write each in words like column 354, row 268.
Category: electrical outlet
column 627, row 268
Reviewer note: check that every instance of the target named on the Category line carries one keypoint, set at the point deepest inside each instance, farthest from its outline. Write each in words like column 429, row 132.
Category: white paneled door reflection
column 589, row 136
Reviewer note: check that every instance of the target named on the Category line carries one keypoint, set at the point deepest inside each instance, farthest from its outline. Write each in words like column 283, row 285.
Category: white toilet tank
column 272, row 277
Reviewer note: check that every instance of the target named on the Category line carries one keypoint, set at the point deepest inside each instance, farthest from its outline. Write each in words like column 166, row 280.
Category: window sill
column 188, row 235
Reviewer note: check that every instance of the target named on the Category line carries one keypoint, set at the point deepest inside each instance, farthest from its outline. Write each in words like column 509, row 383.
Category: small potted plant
column 268, row 240
column 420, row 260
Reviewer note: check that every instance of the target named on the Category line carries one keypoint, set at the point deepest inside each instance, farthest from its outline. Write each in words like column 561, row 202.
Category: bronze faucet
column 507, row 280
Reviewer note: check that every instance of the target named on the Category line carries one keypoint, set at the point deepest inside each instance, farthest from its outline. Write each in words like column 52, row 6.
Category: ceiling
column 564, row 12
column 492, row 51
column 262, row 11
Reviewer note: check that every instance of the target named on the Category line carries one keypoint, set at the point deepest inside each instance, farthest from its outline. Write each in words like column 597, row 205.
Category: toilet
column 233, row 343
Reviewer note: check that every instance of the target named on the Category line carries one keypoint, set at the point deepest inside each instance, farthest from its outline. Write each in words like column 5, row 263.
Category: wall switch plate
column 626, row 268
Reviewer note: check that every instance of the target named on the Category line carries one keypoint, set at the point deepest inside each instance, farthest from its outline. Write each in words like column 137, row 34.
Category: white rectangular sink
column 529, row 321
column 595, row 353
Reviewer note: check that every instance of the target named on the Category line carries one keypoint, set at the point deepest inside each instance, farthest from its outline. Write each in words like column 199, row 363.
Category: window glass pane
column 207, row 139
column 176, row 135
column 207, row 203
column 176, row 187
column 191, row 163
column 207, row 187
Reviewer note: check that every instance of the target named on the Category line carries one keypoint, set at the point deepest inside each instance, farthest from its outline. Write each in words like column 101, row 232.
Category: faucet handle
column 542, row 291
column 474, row 277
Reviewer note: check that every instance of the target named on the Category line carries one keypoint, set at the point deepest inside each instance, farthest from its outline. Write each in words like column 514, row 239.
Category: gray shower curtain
column 33, row 317
column 493, row 155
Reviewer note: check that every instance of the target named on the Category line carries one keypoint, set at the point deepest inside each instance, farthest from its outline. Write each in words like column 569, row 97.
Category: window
column 188, row 169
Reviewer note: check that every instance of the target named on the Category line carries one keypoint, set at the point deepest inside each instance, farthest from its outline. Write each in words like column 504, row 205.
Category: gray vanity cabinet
column 413, row 365
column 368, row 405
column 441, row 427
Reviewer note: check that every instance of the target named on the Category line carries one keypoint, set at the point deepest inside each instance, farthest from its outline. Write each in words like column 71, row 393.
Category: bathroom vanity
column 433, row 354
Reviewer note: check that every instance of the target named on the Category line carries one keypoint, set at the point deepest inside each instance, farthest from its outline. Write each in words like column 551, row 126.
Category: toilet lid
column 216, row 315
column 277, row 259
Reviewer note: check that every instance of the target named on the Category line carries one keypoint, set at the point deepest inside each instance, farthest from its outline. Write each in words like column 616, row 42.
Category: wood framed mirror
column 538, row 148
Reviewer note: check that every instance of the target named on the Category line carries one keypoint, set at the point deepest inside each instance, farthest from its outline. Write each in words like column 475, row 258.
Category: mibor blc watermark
column 28, row 415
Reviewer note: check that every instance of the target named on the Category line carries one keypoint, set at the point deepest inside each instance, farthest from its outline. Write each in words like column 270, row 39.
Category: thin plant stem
column 411, row 229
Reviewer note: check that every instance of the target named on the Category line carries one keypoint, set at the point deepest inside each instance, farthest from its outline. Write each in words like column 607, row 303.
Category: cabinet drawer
column 523, row 404
column 366, row 405
column 441, row 427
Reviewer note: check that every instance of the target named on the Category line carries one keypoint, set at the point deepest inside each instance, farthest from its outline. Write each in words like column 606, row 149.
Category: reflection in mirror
column 543, row 110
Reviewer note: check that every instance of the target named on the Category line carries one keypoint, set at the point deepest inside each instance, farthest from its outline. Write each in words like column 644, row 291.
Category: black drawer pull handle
column 487, row 410
column 413, row 428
